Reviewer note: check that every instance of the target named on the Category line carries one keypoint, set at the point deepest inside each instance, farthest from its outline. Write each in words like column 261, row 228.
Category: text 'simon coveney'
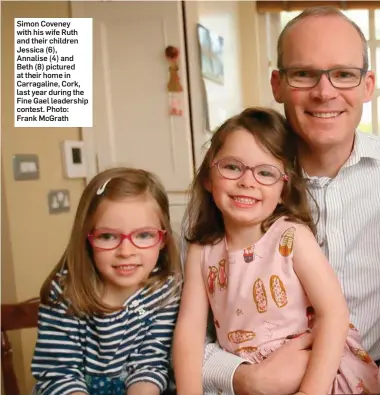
column 53, row 72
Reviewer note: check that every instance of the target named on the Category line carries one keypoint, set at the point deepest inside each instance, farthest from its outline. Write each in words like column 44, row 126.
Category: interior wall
column 8, row 293
column 32, row 240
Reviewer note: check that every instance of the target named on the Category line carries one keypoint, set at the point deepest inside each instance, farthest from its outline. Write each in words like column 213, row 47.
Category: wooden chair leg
column 9, row 376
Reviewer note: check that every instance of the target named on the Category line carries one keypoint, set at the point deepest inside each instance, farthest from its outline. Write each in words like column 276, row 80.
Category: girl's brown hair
column 82, row 285
column 203, row 222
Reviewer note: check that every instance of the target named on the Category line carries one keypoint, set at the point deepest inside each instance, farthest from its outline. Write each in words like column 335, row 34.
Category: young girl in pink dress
column 255, row 260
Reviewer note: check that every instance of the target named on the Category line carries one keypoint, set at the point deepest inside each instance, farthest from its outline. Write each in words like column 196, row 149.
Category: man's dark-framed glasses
column 339, row 77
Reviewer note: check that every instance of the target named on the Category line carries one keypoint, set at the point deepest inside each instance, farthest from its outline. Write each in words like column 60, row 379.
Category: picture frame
column 211, row 48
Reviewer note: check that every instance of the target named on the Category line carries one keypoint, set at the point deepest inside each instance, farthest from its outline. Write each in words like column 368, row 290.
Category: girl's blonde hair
column 82, row 285
column 203, row 221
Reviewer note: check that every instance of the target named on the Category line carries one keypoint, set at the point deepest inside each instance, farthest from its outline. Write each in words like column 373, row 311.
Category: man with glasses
column 323, row 81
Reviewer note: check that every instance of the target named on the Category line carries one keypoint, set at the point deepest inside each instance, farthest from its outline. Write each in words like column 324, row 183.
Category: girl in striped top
column 109, row 307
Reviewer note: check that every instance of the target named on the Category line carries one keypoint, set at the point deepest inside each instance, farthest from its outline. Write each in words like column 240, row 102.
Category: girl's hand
column 143, row 387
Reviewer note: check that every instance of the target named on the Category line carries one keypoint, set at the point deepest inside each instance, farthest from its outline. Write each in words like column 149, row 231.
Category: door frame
column 187, row 17
column 86, row 133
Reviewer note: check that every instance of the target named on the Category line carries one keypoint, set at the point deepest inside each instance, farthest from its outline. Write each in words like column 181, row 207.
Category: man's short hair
column 319, row 11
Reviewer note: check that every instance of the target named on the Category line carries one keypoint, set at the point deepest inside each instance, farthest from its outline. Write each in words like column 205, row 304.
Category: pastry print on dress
column 285, row 247
column 352, row 327
column 249, row 254
column 245, row 352
column 240, row 336
column 277, row 290
column 211, row 278
column 260, row 296
column 361, row 354
column 222, row 275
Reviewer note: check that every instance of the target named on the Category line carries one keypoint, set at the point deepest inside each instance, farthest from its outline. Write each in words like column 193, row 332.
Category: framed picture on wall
column 211, row 47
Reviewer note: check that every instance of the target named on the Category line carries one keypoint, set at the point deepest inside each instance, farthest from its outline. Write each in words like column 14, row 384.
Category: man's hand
column 280, row 374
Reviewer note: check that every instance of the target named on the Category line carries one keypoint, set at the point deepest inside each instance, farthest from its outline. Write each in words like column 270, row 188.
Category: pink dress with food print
column 259, row 304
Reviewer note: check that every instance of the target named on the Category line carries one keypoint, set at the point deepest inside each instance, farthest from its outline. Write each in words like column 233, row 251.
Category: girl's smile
column 245, row 200
column 122, row 265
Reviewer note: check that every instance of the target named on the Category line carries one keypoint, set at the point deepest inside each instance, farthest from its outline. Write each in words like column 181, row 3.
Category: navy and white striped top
column 132, row 344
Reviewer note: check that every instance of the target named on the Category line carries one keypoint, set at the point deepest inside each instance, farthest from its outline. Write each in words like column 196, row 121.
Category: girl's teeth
column 245, row 200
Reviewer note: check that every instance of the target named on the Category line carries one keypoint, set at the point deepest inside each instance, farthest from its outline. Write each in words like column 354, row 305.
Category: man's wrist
column 219, row 369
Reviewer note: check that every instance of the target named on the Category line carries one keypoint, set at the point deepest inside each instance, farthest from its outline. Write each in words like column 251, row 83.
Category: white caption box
column 53, row 72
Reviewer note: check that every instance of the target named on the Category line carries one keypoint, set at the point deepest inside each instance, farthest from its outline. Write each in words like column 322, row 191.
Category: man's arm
column 219, row 368
column 280, row 374
column 233, row 375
